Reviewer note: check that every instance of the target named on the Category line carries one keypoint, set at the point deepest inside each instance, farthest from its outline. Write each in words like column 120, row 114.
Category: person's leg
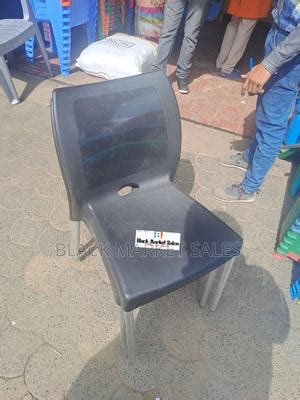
column 269, row 45
column 174, row 10
column 229, row 36
column 245, row 29
column 194, row 17
column 272, row 117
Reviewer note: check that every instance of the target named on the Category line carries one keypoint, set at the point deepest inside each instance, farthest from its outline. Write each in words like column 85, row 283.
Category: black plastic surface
column 127, row 132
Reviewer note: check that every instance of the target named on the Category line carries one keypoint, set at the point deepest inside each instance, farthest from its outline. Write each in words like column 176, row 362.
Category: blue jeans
column 273, row 109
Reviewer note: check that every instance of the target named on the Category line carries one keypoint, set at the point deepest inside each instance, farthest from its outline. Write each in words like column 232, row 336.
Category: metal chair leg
column 210, row 280
column 7, row 83
column 75, row 238
column 43, row 50
column 127, row 334
column 222, row 282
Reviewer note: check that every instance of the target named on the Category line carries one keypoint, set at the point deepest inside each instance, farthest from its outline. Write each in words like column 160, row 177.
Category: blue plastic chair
column 62, row 16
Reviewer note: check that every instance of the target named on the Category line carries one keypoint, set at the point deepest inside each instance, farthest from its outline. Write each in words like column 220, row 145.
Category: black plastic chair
column 118, row 145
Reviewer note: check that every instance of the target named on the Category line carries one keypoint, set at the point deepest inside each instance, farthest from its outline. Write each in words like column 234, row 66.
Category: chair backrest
column 115, row 133
column 27, row 10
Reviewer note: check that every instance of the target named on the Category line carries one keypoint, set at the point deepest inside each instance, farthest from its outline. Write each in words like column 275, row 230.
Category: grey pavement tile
column 188, row 187
column 93, row 384
column 74, row 287
column 59, row 216
column 41, row 272
column 8, row 150
column 15, row 348
column 207, row 164
column 267, row 218
column 181, row 380
column 279, row 270
column 123, row 393
column 147, row 322
column 272, row 193
column 11, row 170
column 27, row 309
column 290, row 348
column 185, row 171
column 231, row 175
column 263, row 329
column 143, row 372
column 53, row 168
column 96, row 337
column 228, row 356
column 190, row 156
column 293, row 310
column 25, row 178
column 14, row 259
column 62, row 325
column 4, row 238
column 13, row 389
column 244, row 213
column 26, row 232
column 63, row 194
column 101, row 302
column 225, row 316
column 208, row 180
column 250, row 263
column 284, row 383
column 92, row 263
column 182, row 331
column 13, row 198
column 8, row 218
column 216, row 389
column 268, row 240
column 16, row 124
column 206, row 199
column 36, row 160
column 258, row 294
column 38, row 208
column 53, row 242
column 250, row 239
column 49, row 374
column 49, row 186
column 28, row 396
column 3, row 318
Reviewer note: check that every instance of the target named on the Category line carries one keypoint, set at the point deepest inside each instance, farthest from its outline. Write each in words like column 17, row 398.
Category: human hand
column 255, row 80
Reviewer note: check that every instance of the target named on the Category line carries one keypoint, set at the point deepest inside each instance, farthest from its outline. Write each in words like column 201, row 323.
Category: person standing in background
column 276, row 80
column 174, row 11
column 245, row 15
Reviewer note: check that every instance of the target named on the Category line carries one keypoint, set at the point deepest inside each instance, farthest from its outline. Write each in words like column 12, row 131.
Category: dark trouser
column 174, row 11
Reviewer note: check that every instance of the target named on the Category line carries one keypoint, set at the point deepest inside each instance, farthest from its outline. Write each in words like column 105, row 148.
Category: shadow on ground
column 187, row 352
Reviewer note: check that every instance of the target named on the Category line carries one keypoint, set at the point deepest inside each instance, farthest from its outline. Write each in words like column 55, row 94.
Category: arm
column 284, row 52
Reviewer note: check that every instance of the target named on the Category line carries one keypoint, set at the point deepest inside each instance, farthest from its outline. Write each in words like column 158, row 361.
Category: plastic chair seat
column 141, row 275
column 13, row 33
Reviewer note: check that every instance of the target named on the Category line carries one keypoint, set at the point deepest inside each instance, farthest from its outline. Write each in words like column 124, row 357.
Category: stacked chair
column 63, row 15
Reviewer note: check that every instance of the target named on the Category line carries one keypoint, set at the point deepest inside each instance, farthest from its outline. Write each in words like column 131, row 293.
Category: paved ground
column 59, row 331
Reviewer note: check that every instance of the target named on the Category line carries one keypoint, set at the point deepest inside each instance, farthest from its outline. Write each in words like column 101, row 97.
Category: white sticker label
column 157, row 240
